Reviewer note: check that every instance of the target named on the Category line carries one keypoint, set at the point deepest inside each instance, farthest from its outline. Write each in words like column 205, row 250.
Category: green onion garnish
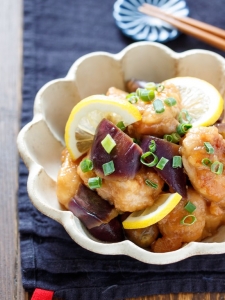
column 184, row 117
column 209, row 148
column 162, row 162
column 186, row 220
column 145, row 95
column 176, row 137
column 94, row 182
column 183, row 128
column 217, row 168
column 206, row 162
column 108, row 168
column 108, row 143
column 86, row 165
column 150, row 86
column 130, row 95
column 168, row 138
column 132, row 98
column 121, row 125
column 190, row 207
column 160, row 87
column 170, row 101
column 173, row 138
column 151, row 184
column 152, row 163
column 152, row 146
column 158, row 106
column 177, row 161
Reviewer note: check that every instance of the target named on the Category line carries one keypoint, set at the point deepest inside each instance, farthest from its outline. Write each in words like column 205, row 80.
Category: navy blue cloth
column 56, row 33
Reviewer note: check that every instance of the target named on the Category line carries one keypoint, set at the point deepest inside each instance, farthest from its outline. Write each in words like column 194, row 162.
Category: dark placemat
column 56, row 33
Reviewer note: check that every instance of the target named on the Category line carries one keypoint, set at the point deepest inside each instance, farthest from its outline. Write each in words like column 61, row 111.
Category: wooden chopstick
column 210, row 34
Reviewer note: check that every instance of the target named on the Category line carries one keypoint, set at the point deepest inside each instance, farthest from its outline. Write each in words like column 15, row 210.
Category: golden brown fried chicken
column 158, row 124
column 130, row 195
column 174, row 233
column 68, row 180
column 207, row 183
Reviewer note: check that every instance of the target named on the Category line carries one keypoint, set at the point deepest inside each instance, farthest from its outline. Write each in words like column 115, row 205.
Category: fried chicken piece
column 205, row 182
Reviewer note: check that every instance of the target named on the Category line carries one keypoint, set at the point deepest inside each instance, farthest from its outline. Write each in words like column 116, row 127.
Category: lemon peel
column 88, row 113
column 163, row 205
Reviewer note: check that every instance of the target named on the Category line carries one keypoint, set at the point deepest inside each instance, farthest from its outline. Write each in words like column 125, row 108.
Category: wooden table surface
column 11, row 75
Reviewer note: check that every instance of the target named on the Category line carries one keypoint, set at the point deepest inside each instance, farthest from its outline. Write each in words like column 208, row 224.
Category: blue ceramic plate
column 141, row 27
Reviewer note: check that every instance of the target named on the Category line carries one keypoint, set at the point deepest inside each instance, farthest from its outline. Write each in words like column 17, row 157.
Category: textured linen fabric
column 56, row 33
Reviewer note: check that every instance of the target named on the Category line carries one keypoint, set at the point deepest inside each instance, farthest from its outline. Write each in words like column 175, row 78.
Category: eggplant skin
column 174, row 177
column 125, row 155
column 90, row 208
column 133, row 84
column 111, row 232
column 98, row 216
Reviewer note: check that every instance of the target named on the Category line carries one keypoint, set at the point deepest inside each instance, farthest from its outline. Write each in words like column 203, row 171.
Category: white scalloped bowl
column 41, row 141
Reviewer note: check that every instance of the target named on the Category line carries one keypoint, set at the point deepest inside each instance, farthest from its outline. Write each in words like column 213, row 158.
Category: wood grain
column 10, row 101
column 10, row 105
column 187, row 296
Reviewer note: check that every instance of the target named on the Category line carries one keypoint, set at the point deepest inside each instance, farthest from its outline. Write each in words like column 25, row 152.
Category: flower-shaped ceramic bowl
column 41, row 141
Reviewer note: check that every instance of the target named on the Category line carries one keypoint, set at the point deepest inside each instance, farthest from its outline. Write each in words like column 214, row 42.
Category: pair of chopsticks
column 207, row 33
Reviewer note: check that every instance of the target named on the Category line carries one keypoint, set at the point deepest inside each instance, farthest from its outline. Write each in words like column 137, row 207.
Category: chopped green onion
column 151, row 95
column 206, row 162
column 168, row 138
column 145, row 95
column 176, row 137
column 151, row 164
column 86, row 165
column 183, row 128
column 173, row 138
column 151, row 184
column 150, row 86
column 158, row 106
column 162, row 162
column 94, row 182
column 121, row 125
column 217, row 168
column 130, row 95
column 177, row 162
column 152, row 146
column 108, row 143
column 160, row 87
column 132, row 98
column 190, row 207
column 184, row 117
column 209, row 148
column 184, row 220
column 108, row 168
column 170, row 101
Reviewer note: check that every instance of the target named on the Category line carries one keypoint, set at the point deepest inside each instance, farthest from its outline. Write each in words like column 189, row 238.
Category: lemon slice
column 201, row 99
column 164, row 204
column 88, row 113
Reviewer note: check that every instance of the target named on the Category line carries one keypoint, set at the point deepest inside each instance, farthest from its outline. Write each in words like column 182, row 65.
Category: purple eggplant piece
column 90, row 208
column 174, row 177
column 111, row 232
column 132, row 85
column 125, row 155
column 99, row 217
